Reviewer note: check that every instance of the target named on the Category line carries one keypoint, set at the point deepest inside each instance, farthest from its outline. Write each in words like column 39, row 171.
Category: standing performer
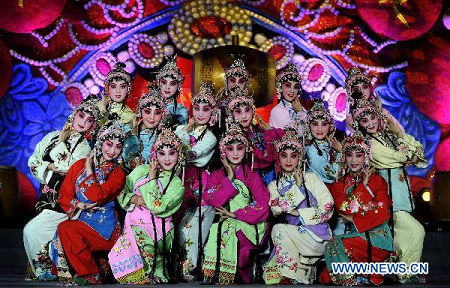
column 49, row 163
column 152, row 194
column 87, row 196
column 323, row 151
column 289, row 112
column 241, row 200
column 241, row 108
column 360, row 198
column 305, row 203
column 193, row 230
column 151, row 112
column 170, row 79
column 358, row 86
column 393, row 150
column 118, row 88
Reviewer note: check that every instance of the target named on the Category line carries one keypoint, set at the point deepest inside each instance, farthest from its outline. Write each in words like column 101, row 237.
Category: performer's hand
column 104, row 102
column 85, row 206
column 227, row 167
column 138, row 201
column 377, row 102
column 224, row 213
column 412, row 161
column 392, row 126
column 152, row 168
column 298, row 176
column 367, row 175
column 294, row 213
column 190, row 126
column 261, row 123
column 335, row 144
column 297, row 105
column 52, row 167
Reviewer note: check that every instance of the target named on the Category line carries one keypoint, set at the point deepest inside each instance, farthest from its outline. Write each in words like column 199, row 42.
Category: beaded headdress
column 168, row 138
column 237, row 99
column 290, row 140
column 360, row 143
column 118, row 73
column 289, row 73
column 317, row 111
column 363, row 108
column 110, row 130
column 234, row 133
column 237, row 68
column 355, row 75
column 170, row 69
column 89, row 105
column 152, row 98
column 206, row 95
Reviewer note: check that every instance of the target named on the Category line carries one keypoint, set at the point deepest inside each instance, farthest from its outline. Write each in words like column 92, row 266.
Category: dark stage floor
column 12, row 262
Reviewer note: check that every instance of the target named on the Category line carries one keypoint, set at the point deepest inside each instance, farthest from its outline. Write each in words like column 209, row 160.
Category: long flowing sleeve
column 163, row 205
column 274, row 198
column 338, row 192
column 324, row 209
column 385, row 157
column 204, row 150
column 258, row 210
column 219, row 189
column 266, row 157
column 413, row 148
column 80, row 152
column 108, row 190
column 128, row 190
column 40, row 172
column 377, row 211
column 66, row 198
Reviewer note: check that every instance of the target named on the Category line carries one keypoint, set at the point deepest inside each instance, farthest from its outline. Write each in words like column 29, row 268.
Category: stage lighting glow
column 426, row 196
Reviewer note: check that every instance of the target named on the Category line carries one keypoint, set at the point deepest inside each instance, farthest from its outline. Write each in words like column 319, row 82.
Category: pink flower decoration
column 328, row 207
column 354, row 206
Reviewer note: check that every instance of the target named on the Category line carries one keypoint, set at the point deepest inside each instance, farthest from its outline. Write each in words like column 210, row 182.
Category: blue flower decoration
column 27, row 113
column 395, row 99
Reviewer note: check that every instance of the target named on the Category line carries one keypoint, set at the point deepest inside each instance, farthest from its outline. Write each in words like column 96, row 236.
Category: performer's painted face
column 288, row 160
column 111, row 149
column 82, row 121
column 202, row 113
column 290, row 90
column 168, row 86
column 117, row 90
column 361, row 90
column 354, row 160
column 370, row 122
column 167, row 157
column 319, row 128
column 244, row 114
column 151, row 116
column 235, row 152
column 236, row 80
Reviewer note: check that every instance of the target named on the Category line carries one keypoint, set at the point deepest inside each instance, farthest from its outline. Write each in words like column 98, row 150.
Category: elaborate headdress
column 168, row 138
column 152, row 98
column 360, row 143
column 317, row 111
column 88, row 105
column 110, row 130
column 237, row 68
column 206, row 95
column 355, row 76
column 363, row 108
column 237, row 99
column 289, row 73
column 290, row 140
column 118, row 73
column 170, row 69
column 234, row 133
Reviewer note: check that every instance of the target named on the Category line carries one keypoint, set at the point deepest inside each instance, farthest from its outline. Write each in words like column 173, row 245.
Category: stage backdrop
column 54, row 53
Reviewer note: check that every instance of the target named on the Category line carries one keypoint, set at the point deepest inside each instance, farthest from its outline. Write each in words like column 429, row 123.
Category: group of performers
column 166, row 193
